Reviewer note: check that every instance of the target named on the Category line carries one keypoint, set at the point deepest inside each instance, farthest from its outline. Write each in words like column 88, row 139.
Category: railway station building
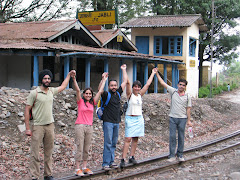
column 29, row 47
column 171, row 37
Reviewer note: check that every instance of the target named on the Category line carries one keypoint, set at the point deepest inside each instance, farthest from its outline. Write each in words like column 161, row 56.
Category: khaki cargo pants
column 45, row 134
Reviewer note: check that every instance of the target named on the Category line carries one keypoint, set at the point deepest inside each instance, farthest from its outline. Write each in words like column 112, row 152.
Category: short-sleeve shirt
column 85, row 112
column 111, row 112
column 179, row 103
column 43, row 105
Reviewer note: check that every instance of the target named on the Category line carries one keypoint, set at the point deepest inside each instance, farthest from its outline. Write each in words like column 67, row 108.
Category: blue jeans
column 179, row 125
column 110, row 131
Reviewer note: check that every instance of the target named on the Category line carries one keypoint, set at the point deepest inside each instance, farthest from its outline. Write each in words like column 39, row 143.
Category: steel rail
column 175, row 164
column 100, row 172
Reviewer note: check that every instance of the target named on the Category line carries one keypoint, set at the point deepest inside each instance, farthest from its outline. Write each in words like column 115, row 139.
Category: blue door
column 142, row 44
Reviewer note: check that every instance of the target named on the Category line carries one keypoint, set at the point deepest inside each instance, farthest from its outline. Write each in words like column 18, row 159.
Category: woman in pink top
column 83, row 124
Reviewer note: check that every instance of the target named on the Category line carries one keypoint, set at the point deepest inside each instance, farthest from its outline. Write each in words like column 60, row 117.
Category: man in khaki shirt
column 40, row 101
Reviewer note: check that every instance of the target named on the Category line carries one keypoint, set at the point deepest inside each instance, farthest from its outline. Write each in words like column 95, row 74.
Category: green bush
column 216, row 91
column 203, row 92
column 224, row 88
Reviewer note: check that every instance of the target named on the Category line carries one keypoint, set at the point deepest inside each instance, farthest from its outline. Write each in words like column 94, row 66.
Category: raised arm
column 101, row 86
column 76, row 87
column 161, row 81
column 149, row 81
column 66, row 80
column 128, row 89
column 125, row 76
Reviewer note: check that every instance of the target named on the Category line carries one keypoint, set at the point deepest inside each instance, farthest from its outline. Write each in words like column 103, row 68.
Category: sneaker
column 114, row 166
column 171, row 159
column 122, row 164
column 181, row 159
column 48, row 178
column 132, row 160
column 106, row 168
column 79, row 172
column 87, row 171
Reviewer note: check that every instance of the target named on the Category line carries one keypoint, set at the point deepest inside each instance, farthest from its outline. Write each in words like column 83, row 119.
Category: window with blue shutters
column 192, row 47
column 168, row 45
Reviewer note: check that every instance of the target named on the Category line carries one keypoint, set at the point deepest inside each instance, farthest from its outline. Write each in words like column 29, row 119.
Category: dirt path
column 233, row 96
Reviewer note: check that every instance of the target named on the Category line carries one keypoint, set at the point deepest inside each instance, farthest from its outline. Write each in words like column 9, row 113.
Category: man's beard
column 113, row 91
column 45, row 85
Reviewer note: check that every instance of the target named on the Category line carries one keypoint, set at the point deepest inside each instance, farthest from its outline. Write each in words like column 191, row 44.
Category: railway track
column 159, row 163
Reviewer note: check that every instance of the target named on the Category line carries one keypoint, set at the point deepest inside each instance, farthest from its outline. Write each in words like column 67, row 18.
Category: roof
column 47, row 30
column 33, row 30
column 107, row 35
column 185, row 20
column 65, row 48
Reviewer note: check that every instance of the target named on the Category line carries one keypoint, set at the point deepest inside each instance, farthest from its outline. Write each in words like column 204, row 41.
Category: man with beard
column 179, row 116
column 111, row 119
column 40, row 101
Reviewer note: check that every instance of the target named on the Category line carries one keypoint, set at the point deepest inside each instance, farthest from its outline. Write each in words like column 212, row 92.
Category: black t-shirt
column 111, row 112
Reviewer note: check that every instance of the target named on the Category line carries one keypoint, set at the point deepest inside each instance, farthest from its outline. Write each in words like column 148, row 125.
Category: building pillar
column 120, row 72
column 141, row 73
column 165, row 76
column 106, row 70
column 156, row 81
column 87, row 73
column 177, row 75
column 66, row 68
column 173, row 76
column 35, row 71
column 134, row 71
column 145, row 74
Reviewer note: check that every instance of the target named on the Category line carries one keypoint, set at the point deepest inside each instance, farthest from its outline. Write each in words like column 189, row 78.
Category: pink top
column 85, row 114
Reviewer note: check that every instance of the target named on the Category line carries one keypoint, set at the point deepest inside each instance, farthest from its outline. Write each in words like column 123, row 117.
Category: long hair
column 91, row 100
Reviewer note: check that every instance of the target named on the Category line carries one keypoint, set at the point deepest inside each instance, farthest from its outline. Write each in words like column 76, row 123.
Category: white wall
column 192, row 75
column 192, row 72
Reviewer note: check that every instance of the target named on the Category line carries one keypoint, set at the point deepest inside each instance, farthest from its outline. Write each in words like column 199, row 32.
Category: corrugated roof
column 164, row 21
column 33, row 30
column 64, row 47
column 105, row 35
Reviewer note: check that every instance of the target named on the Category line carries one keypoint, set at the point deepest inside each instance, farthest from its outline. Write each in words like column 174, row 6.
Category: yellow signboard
column 119, row 38
column 192, row 63
column 97, row 17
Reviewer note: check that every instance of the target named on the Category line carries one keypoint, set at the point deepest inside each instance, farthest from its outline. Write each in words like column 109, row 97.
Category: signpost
column 98, row 17
column 192, row 63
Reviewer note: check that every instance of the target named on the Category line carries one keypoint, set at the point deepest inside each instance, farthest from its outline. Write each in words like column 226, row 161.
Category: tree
column 37, row 10
column 127, row 9
column 226, row 13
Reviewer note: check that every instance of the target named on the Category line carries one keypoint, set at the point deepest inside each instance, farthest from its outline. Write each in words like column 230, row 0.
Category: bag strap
column 109, row 97
column 35, row 98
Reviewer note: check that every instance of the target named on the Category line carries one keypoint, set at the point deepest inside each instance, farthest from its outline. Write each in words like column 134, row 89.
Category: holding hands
column 72, row 74
column 104, row 76
column 124, row 67
column 155, row 70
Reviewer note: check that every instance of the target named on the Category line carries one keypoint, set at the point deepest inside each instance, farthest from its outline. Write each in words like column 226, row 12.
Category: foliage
column 127, row 9
column 204, row 92
column 37, row 10
column 226, row 11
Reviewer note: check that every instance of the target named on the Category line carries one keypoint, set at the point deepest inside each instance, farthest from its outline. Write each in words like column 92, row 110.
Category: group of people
column 40, row 102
